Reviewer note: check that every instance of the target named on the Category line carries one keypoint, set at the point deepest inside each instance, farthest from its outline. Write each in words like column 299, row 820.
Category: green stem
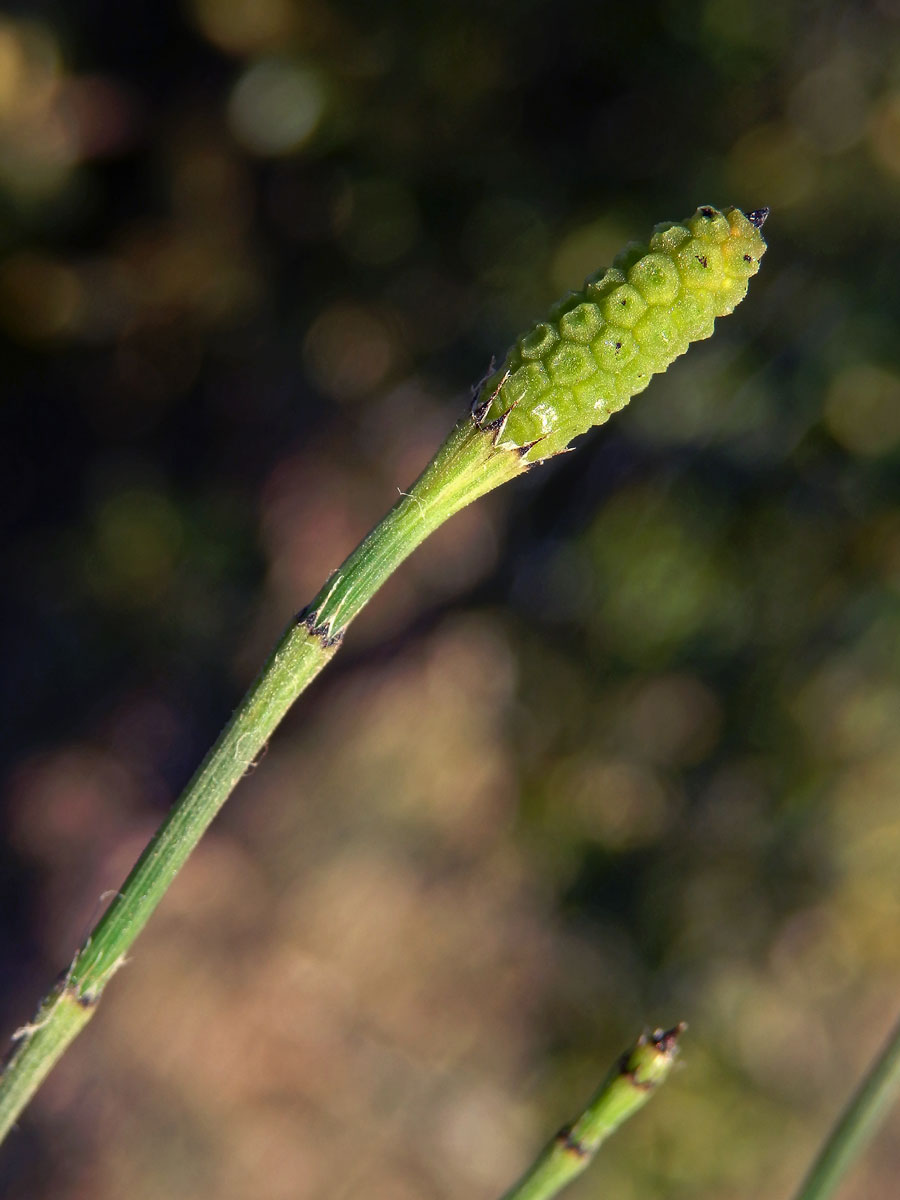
column 466, row 466
column 857, row 1124
column 627, row 1087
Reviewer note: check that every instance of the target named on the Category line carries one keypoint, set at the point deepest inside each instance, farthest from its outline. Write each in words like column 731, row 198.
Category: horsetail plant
column 637, row 1076
column 627, row 1088
column 597, row 348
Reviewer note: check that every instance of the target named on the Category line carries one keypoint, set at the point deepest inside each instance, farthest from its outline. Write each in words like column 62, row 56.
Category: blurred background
column 617, row 748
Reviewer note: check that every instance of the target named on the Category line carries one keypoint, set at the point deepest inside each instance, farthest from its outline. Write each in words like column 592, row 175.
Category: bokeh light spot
column 349, row 350
column 38, row 138
column 774, row 162
column 617, row 803
column 884, row 132
column 276, row 106
column 40, row 299
column 674, row 719
column 862, row 409
column 377, row 221
column 138, row 535
column 829, row 106
column 246, row 26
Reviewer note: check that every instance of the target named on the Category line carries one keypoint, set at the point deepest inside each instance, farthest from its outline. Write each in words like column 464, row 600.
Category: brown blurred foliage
column 617, row 748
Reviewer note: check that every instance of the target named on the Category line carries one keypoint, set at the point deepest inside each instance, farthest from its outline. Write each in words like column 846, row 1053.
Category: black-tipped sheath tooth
column 758, row 217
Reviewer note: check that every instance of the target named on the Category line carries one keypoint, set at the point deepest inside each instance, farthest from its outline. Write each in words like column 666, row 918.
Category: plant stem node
column 308, row 617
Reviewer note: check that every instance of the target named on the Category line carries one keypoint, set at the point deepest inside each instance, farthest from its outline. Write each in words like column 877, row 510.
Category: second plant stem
column 627, row 1088
column 857, row 1124
column 467, row 465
